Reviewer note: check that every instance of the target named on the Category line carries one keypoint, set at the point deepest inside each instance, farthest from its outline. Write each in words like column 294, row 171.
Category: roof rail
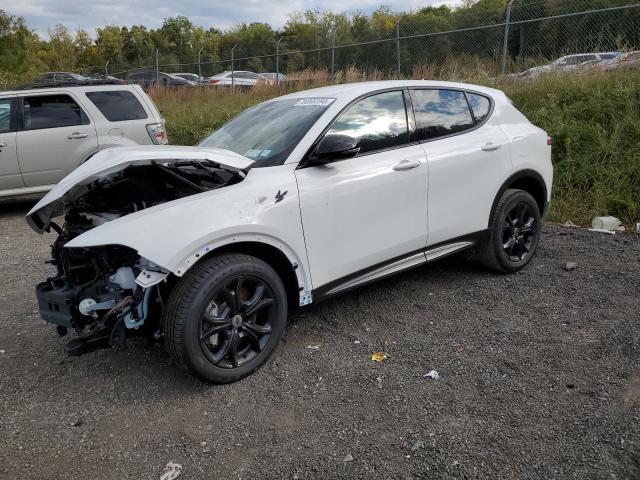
column 74, row 83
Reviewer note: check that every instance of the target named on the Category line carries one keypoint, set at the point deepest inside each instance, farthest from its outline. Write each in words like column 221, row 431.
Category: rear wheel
column 514, row 232
column 224, row 319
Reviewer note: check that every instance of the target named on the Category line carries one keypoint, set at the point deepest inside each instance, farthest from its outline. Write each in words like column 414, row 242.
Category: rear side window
column 52, row 111
column 377, row 122
column 481, row 106
column 118, row 106
column 440, row 113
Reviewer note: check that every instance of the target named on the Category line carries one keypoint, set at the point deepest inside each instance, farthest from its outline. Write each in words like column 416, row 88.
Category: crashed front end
column 106, row 293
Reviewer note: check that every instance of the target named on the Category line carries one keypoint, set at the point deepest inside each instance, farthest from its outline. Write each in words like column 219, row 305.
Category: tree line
column 180, row 43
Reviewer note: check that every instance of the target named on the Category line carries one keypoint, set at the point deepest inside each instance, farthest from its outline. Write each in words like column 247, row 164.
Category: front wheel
column 514, row 232
column 224, row 319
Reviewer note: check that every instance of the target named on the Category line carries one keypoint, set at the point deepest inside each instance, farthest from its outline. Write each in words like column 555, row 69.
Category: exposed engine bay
column 106, row 293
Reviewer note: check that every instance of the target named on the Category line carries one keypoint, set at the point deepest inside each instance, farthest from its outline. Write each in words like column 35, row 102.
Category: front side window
column 269, row 132
column 440, row 113
column 52, row 111
column 376, row 122
column 480, row 105
column 118, row 106
column 5, row 115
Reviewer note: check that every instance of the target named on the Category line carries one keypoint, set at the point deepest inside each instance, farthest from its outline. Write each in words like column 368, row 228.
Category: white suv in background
column 45, row 133
column 293, row 201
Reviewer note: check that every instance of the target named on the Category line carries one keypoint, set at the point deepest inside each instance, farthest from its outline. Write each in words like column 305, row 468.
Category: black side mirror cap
column 332, row 148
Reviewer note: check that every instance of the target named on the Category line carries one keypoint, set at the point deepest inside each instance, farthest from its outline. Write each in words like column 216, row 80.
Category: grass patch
column 593, row 118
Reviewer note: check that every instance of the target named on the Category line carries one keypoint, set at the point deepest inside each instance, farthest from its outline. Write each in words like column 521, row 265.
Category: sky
column 42, row 15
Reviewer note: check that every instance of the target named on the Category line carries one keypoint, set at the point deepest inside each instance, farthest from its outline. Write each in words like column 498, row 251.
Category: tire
column 514, row 233
column 224, row 318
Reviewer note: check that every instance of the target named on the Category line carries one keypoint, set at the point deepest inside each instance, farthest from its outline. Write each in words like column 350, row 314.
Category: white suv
column 47, row 132
column 295, row 200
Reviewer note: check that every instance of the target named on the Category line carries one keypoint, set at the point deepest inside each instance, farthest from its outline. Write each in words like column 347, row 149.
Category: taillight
column 549, row 141
column 157, row 133
column 213, row 81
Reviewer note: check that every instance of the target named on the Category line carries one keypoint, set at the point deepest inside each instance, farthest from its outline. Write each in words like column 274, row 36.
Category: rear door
column 55, row 135
column 468, row 156
column 9, row 172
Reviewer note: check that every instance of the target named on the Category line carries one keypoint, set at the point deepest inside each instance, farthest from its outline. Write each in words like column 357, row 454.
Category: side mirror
column 332, row 148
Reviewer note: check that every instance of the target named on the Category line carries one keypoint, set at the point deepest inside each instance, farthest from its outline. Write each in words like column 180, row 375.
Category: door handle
column 490, row 146
column 406, row 165
column 77, row 135
column 3, row 144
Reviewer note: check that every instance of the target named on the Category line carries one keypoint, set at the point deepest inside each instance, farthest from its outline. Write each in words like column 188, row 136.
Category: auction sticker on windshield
column 314, row 102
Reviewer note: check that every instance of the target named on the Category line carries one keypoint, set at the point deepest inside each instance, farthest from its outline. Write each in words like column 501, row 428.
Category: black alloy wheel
column 237, row 323
column 513, row 233
column 225, row 317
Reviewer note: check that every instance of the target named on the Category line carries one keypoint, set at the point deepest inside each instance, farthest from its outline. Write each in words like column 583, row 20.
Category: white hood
column 111, row 160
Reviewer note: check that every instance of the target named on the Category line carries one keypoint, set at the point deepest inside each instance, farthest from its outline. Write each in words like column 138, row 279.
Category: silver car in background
column 45, row 133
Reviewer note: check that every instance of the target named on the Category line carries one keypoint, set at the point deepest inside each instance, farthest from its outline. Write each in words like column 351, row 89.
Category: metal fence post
column 233, row 83
column 200, row 63
column 505, row 41
column 398, row 48
column 157, row 68
column 106, row 68
column 278, row 61
column 333, row 56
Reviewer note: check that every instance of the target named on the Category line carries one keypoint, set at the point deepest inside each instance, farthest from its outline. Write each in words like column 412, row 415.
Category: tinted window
column 440, row 113
column 5, row 115
column 52, row 111
column 117, row 106
column 479, row 105
column 377, row 122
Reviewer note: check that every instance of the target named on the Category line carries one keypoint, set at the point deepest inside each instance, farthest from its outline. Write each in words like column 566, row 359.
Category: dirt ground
column 539, row 378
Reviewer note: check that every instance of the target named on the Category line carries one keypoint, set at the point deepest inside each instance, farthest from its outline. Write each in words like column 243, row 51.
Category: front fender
column 175, row 235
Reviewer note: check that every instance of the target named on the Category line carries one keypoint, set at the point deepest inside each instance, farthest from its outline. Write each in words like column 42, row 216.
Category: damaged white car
column 297, row 199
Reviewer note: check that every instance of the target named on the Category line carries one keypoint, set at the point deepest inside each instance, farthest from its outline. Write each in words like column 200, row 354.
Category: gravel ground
column 539, row 378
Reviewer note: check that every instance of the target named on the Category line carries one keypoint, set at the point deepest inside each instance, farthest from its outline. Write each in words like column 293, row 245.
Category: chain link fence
column 525, row 34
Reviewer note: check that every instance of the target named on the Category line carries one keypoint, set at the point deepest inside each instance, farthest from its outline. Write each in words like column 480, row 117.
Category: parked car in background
column 47, row 132
column 60, row 77
column 197, row 79
column 626, row 60
column 150, row 77
column 106, row 78
column 295, row 200
column 569, row 63
column 238, row 78
column 273, row 78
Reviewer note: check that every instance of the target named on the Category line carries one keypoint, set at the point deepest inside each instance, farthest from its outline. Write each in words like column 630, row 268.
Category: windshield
column 269, row 132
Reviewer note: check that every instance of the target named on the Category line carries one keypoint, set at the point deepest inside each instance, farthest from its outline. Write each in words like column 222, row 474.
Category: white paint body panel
column 359, row 212
column 464, row 179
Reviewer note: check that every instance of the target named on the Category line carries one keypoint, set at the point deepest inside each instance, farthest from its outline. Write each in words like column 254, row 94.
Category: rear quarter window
column 480, row 105
column 118, row 106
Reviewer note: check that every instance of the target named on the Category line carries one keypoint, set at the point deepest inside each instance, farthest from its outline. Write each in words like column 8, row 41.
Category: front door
column 9, row 172
column 370, row 209
column 55, row 136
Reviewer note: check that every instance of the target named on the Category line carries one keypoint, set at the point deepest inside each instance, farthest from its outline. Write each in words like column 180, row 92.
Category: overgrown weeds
column 594, row 119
